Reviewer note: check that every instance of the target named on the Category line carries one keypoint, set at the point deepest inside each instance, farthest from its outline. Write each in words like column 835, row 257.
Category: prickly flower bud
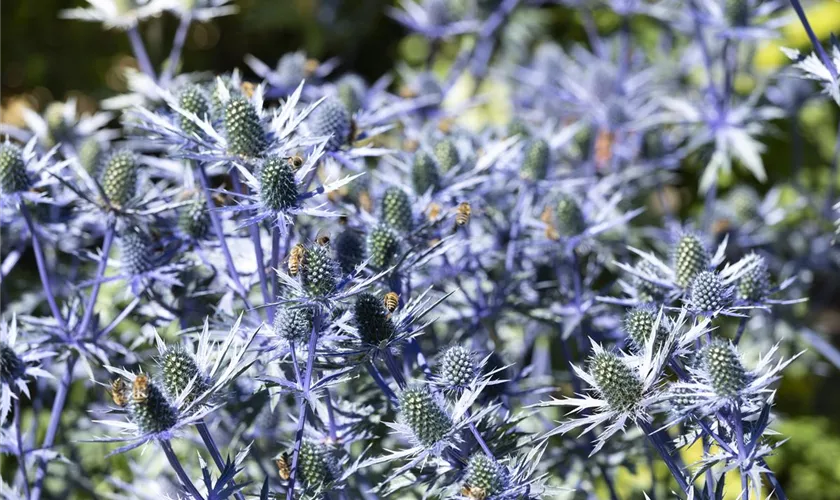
column 639, row 323
column 382, row 246
column 294, row 324
column 278, row 188
column 372, row 319
column 722, row 364
column 616, row 381
column 396, row 209
column 194, row 219
column 13, row 178
column 90, row 155
column 119, row 179
column 349, row 250
column 319, row 272
column 192, row 99
column 178, row 368
column 484, row 476
column 331, row 118
column 447, row 155
column 690, row 258
column 316, row 464
column 245, row 135
column 424, row 173
column 570, row 220
column 424, row 415
column 755, row 283
column 537, row 157
column 149, row 408
column 137, row 252
column 709, row 293
column 648, row 291
column 457, row 367
column 11, row 366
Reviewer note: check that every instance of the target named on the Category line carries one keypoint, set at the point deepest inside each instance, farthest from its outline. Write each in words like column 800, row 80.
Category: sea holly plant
column 517, row 265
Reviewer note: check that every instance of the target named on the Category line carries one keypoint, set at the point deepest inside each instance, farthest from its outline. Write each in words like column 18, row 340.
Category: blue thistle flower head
column 484, row 477
column 119, row 177
column 754, row 284
column 13, row 176
column 709, row 293
column 349, row 249
column 690, row 258
column 331, row 118
column 424, row 414
column 382, row 246
column 243, row 128
column 149, row 408
column 722, row 363
column 616, row 381
column 457, row 367
column 373, row 322
column 395, row 209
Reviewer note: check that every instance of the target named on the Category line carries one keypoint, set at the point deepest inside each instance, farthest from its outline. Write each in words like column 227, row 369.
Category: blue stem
column 100, row 272
column 177, row 48
column 21, row 456
column 140, row 53
column 42, row 268
column 821, row 53
column 210, row 444
column 656, row 439
column 186, row 482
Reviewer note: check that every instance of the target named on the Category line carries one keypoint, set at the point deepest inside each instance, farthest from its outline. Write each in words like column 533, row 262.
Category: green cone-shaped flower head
column 294, row 324
column 570, row 220
column 119, row 179
column 194, row 219
column 396, row 209
column 617, row 382
column 331, row 118
column 722, row 363
column 457, row 367
column 178, row 368
column 317, row 464
column 349, row 250
column 278, row 188
column 424, row 173
column 137, row 252
column 351, row 92
column 708, row 292
column 319, row 273
column 382, row 246
column 245, row 135
column 90, row 156
column 754, row 285
column 537, row 158
column 13, row 178
column 149, row 408
column 193, row 99
column 484, row 476
column 372, row 319
column 639, row 323
column 690, row 258
column 424, row 415
column 446, row 154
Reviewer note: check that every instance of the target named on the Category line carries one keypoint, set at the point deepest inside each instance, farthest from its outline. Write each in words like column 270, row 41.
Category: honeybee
column 365, row 202
column 311, row 66
column 433, row 211
column 296, row 258
column 474, row 492
column 391, row 300
column 248, row 89
column 322, row 238
column 297, row 161
column 445, row 125
column 118, row 393
column 603, row 148
column 284, row 466
column 407, row 92
column 546, row 215
column 551, row 233
column 462, row 214
column 411, row 145
column 140, row 389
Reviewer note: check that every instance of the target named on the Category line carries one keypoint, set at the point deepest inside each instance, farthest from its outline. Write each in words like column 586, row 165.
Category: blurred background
column 45, row 58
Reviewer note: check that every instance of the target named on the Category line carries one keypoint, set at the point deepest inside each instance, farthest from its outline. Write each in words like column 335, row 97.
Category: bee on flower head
column 322, row 238
column 462, row 214
column 391, row 300
column 433, row 210
column 296, row 161
column 284, row 466
column 118, row 392
column 296, row 258
column 248, row 89
column 474, row 492
column 140, row 388
column 603, row 148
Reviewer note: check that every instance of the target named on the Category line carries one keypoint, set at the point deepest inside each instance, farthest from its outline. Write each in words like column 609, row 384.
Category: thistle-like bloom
column 189, row 387
column 824, row 71
column 22, row 173
column 19, row 364
column 721, row 379
column 457, row 367
column 484, row 478
column 120, row 14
